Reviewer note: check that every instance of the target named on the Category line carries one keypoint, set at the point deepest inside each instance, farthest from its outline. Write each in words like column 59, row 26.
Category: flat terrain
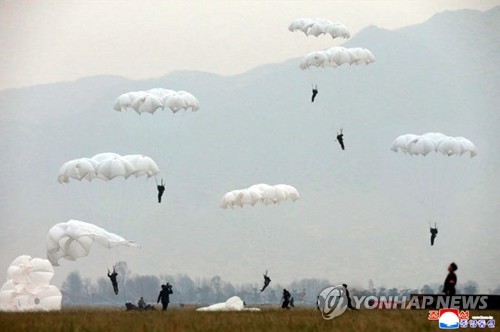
column 189, row 320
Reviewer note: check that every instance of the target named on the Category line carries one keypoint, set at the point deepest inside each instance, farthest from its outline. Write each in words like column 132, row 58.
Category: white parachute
column 107, row 166
column 434, row 169
column 319, row 26
column 232, row 304
column 28, row 286
column 337, row 56
column 74, row 239
column 422, row 145
column 154, row 99
column 263, row 193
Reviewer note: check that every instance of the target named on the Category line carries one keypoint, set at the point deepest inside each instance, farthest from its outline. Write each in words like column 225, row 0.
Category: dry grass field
column 188, row 320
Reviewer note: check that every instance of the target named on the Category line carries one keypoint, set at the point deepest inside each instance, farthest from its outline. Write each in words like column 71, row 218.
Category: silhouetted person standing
column 164, row 295
column 434, row 232
column 314, row 93
column 161, row 190
column 267, row 281
column 451, row 280
column 286, row 299
column 340, row 139
column 349, row 303
column 112, row 277
column 141, row 304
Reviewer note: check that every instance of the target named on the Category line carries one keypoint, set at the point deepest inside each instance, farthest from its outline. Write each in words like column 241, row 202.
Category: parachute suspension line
column 422, row 182
column 162, row 144
column 122, row 200
column 174, row 146
column 448, row 193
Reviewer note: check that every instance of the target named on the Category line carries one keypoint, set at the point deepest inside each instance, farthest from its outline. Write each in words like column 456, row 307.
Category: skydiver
column 267, row 281
column 340, row 139
column 314, row 93
column 286, row 299
column 112, row 276
column 451, row 280
column 161, row 189
column 434, row 232
column 349, row 303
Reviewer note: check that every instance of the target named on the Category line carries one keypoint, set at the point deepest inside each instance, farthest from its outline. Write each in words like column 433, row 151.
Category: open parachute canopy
column 28, row 286
column 73, row 239
column 337, row 56
column 154, row 99
column 422, row 145
column 107, row 166
column 263, row 193
column 319, row 26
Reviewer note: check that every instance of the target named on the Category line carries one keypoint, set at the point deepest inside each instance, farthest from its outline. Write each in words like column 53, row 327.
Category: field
column 189, row 320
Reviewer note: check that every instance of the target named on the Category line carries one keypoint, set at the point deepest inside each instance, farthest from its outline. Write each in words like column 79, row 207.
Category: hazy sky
column 49, row 41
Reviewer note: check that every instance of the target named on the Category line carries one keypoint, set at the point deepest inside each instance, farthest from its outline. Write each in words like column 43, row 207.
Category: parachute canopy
column 154, row 99
column 259, row 193
column 232, row 304
column 422, row 145
column 319, row 26
column 28, row 286
column 337, row 56
column 73, row 239
column 107, row 166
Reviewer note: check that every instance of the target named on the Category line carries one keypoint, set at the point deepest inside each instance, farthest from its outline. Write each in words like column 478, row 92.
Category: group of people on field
column 287, row 300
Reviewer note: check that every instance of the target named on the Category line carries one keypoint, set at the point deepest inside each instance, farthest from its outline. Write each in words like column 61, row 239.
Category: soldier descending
column 434, row 232
column 112, row 277
column 314, row 93
column 161, row 189
column 340, row 139
column 267, row 281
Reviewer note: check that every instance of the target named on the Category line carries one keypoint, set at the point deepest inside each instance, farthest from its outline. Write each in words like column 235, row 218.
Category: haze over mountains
column 359, row 216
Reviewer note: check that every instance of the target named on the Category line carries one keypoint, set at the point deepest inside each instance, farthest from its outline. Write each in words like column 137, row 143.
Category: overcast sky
column 50, row 41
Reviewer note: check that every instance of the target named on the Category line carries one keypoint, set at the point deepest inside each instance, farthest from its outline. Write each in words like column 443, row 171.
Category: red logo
column 433, row 315
column 463, row 314
column 452, row 310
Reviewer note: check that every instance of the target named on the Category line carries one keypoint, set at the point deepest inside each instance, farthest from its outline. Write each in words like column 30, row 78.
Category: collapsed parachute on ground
column 232, row 304
column 422, row 145
column 263, row 193
column 107, row 166
column 337, row 56
column 74, row 239
column 319, row 26
column 28, row 286
column 154, row 99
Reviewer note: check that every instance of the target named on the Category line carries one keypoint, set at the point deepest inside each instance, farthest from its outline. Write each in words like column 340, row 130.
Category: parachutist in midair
column 340, row 139
column 434, row 232
column 112, row 276
column 161, row 189
column 315, row 92
column 267, row 281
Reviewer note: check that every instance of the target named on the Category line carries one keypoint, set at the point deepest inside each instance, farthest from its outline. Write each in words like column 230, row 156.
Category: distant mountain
column 359, row 216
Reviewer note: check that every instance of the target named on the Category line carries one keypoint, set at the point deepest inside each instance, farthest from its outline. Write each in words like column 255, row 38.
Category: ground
column 188, row 320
